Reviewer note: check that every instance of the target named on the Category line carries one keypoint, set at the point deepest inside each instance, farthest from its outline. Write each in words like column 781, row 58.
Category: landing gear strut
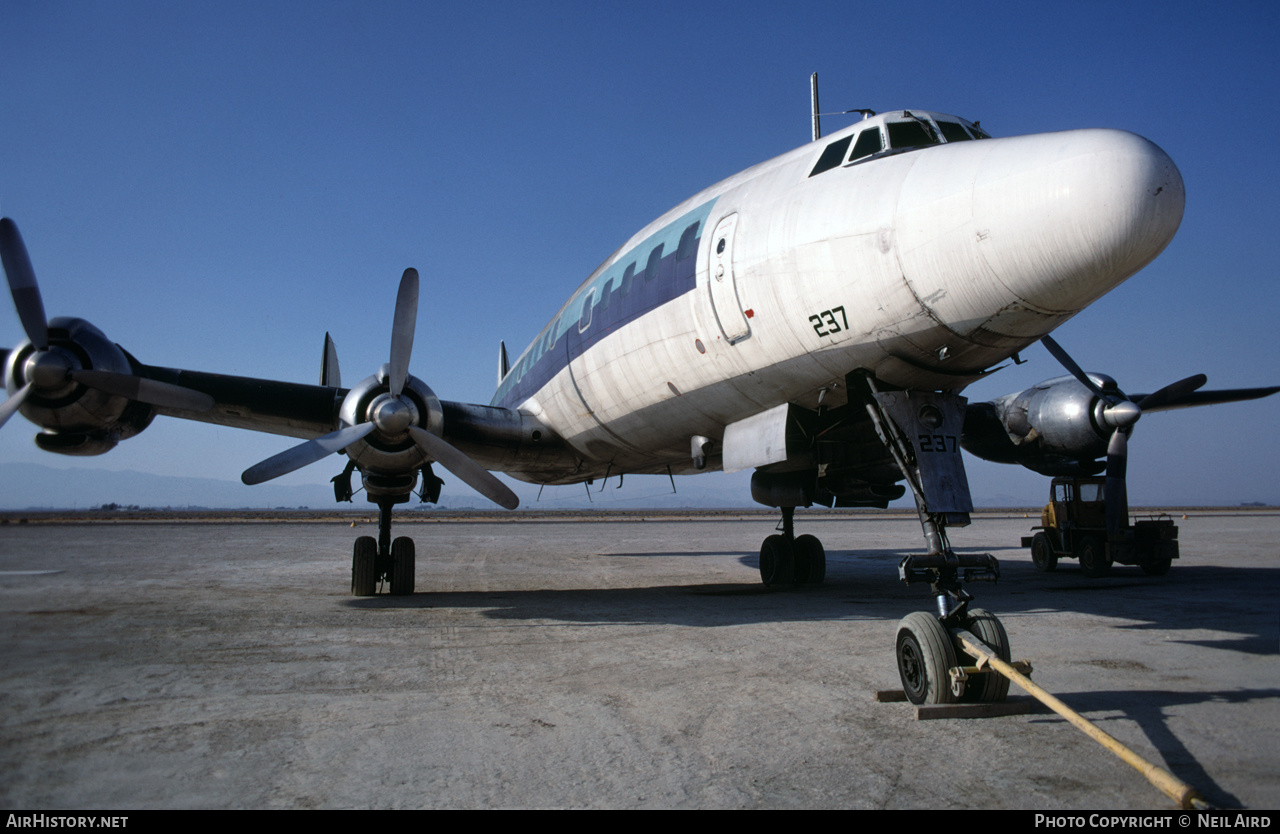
column 786, row 559
column 920, row 430
column 374, row 561
column 381, row 559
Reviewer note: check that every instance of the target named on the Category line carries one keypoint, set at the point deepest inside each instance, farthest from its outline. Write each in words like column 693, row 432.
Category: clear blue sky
column 215, row 185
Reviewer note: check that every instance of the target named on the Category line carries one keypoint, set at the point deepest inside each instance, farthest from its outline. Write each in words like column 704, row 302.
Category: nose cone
column 1070, row 215
column 1004, row 239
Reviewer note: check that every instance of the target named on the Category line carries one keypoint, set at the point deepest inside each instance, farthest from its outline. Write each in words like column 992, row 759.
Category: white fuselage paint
column 939, row 262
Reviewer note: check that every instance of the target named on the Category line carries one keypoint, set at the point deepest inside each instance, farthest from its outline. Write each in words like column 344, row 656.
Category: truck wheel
column 1042, row 554
column 1092, row 554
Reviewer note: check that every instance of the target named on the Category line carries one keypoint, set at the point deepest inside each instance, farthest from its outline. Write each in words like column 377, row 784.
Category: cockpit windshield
column 894, row 133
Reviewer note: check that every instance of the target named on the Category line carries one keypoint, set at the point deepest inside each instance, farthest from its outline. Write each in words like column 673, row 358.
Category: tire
column 364, row 577
column 925, row 658
column 991, row 687
column 1093, row 557
column 810, row 560
column 777, row 565
column 402, row 567
column 1042, row 555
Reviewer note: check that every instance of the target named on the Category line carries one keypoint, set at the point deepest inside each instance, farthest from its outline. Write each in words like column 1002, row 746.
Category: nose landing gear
column 935, row 668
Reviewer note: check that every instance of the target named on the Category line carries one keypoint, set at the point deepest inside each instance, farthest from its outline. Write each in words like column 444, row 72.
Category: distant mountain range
column 33, row 486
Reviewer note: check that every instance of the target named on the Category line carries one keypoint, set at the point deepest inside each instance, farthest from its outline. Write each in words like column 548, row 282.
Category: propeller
column 52, row 366
column 1122, row 414
column 389, row 415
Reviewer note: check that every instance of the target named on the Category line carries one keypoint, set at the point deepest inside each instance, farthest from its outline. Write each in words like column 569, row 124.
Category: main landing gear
column 381, row 559
column 786, row 559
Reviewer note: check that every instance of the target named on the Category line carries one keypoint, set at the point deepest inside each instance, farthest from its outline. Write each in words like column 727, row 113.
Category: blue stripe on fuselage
column 672, row 274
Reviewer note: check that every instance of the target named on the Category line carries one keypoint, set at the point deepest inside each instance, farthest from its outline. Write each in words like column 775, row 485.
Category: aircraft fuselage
column 925, row 266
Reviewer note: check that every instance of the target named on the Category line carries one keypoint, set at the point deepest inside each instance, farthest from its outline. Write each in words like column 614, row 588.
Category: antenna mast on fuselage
column 817, row 122
column 817, row 125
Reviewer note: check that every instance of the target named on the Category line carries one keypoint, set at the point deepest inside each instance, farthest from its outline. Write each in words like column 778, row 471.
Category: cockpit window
column 869, row 142
column 910, row 135
column 953, row 131
column 832, row 156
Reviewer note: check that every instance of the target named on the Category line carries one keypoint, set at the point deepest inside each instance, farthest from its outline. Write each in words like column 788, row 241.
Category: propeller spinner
column 389, row 417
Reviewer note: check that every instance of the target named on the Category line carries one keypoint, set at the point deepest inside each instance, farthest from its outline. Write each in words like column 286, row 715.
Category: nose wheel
column 935, row 669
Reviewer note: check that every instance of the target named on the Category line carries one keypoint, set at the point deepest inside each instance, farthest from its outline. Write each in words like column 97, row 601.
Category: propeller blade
column 11, row 405
column 1225, row 395
column 304, row 454
column 1172, row 393
column 330, row 375
column 1116, row 492
column 22, row 284
column 402, row 328
column 145, row 390
column 1065, row 360
column 470, row 472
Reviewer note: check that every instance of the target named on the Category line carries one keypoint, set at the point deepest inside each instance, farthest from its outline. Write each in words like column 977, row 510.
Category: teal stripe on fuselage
column 674, row 273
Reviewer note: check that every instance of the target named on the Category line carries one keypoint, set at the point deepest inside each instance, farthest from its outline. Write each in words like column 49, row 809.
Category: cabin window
column 553, row 330
column 627, row 278
column 584, row 320
column 688, row 242
column 655, row 263
column 910, row 135
column 869, row 142
column 832, row 156
column 953, row 131
column 604, row 295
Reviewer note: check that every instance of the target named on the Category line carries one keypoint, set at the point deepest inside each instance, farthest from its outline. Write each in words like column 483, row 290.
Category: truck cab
column 1073, row 525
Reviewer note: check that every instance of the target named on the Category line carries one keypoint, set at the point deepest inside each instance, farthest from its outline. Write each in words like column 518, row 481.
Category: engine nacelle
column 76, row 419
column 393, row 455
column 1055, row 428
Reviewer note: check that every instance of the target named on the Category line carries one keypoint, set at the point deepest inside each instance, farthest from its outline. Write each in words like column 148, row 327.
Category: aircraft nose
column 1068, row 216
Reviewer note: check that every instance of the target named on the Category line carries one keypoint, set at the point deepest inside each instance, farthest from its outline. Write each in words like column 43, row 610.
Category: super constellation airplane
column 813, row 318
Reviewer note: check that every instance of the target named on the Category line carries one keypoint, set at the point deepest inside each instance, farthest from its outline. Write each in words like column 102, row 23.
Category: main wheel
column 925, row 658
column 1092, row 554
column 777, row 565
column 811, row 560
column 1042, row 555
column 364, row 578
column 402, row 566
column 992, row 686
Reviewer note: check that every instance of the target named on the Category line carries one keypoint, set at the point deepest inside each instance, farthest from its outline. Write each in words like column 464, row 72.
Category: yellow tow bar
column 1187, row 797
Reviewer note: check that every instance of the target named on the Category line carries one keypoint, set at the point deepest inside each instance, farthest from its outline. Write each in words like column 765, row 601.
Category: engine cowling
column 76, row 419
column 1055, row 427
column 381, row 453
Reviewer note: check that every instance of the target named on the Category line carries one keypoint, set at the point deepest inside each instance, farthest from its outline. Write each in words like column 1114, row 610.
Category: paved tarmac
column 633, row 664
